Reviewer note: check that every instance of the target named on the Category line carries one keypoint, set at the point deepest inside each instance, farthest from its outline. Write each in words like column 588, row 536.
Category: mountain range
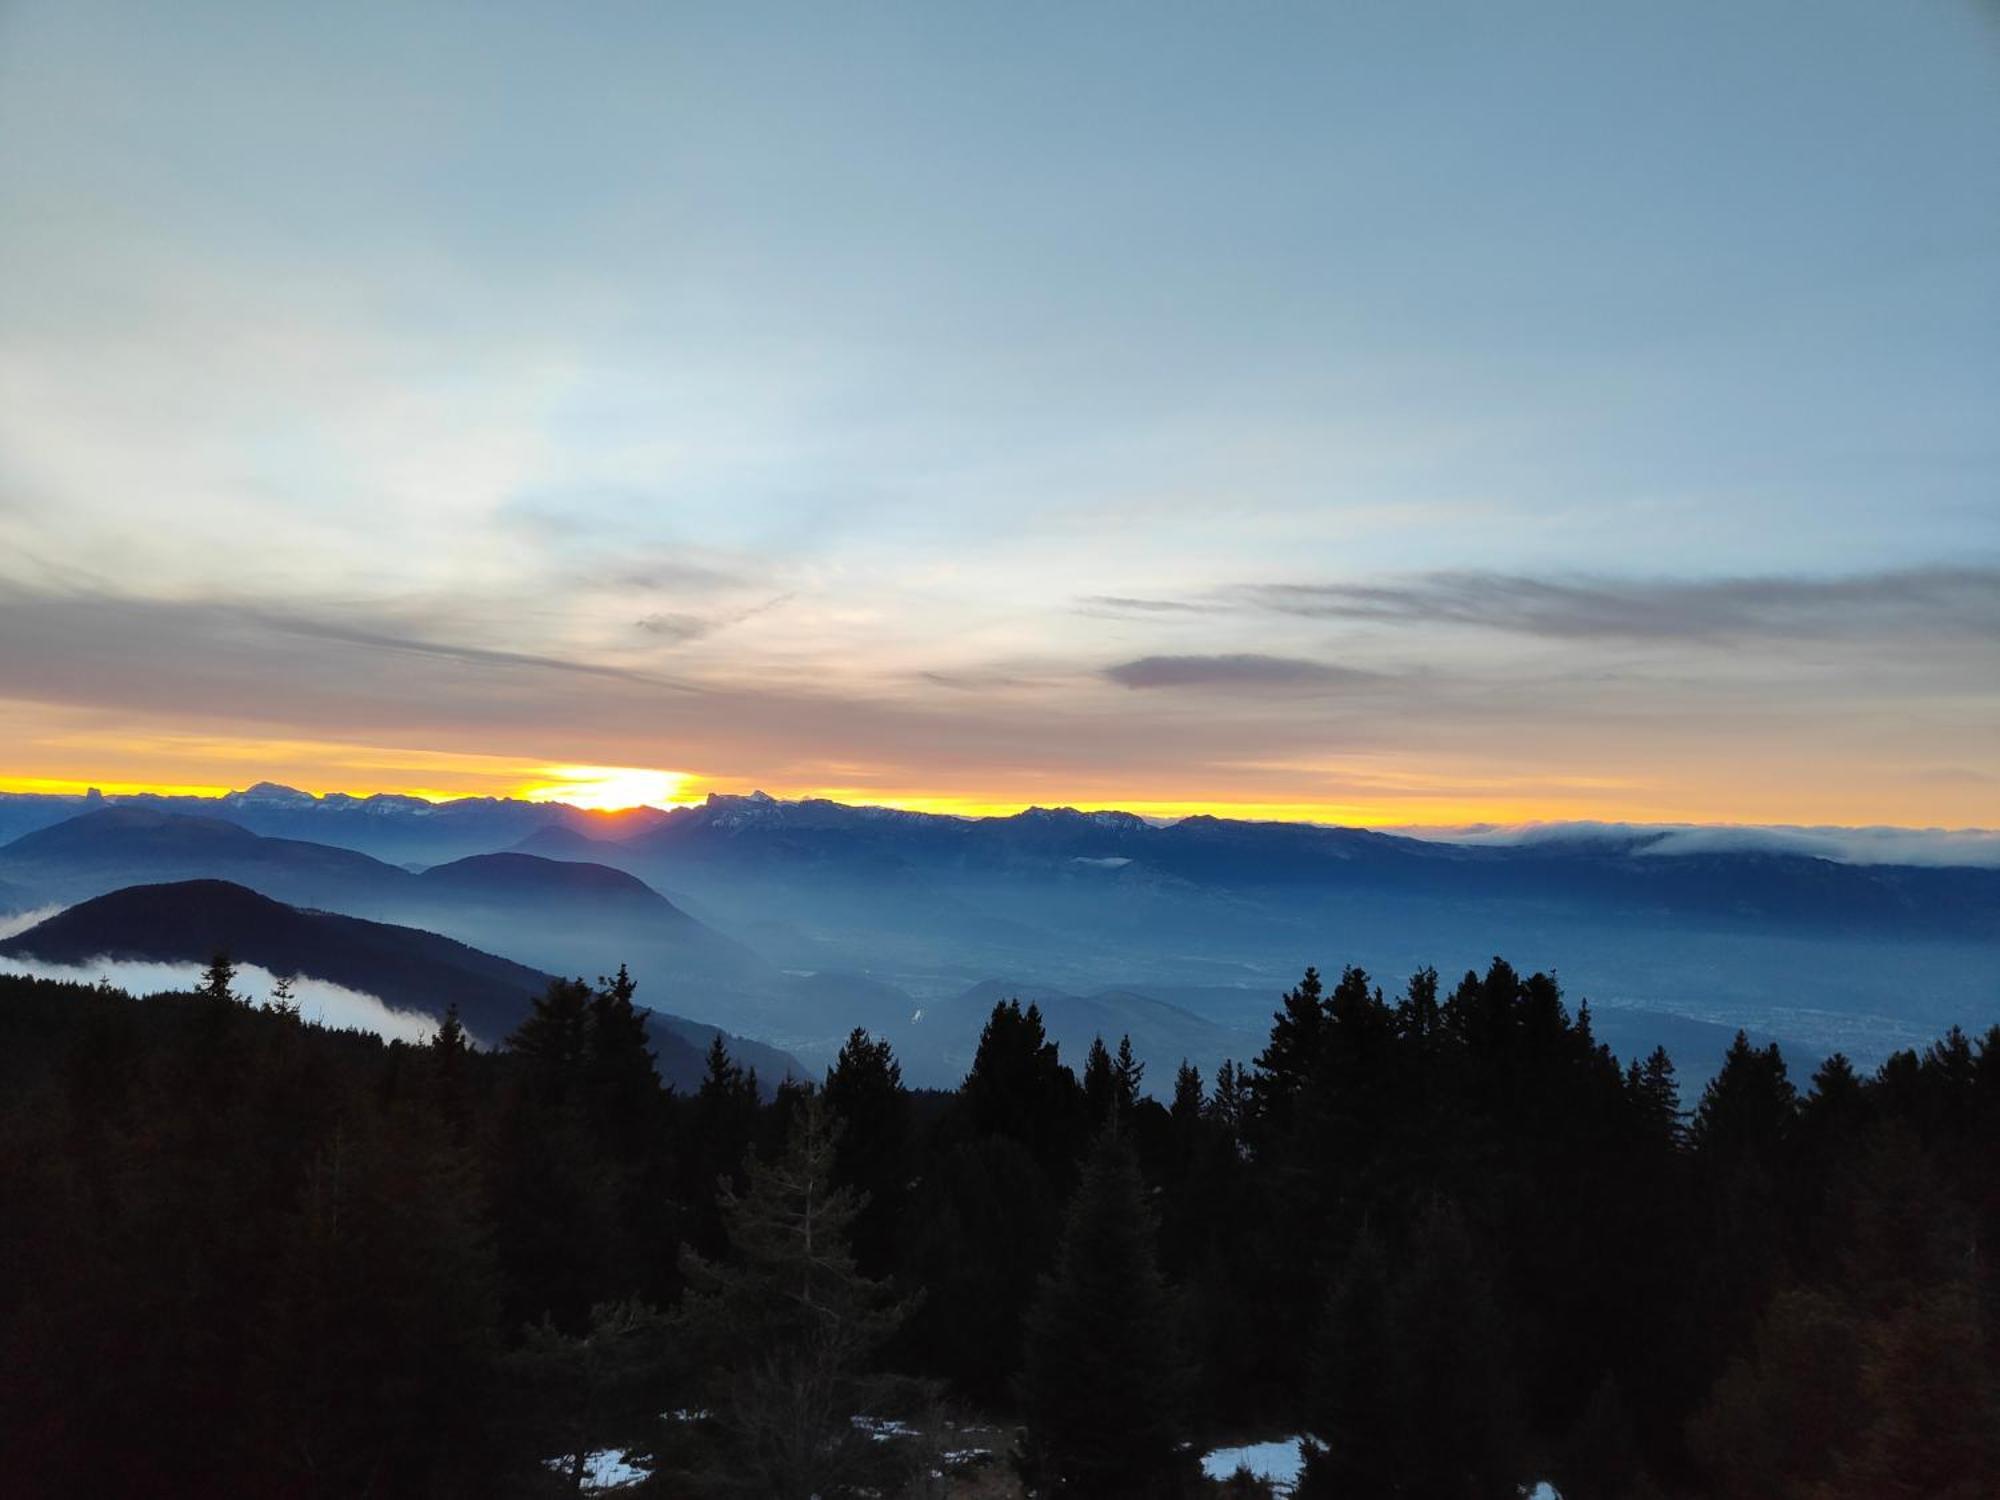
column 793, row 921
column 556, row 914
column 392, row 827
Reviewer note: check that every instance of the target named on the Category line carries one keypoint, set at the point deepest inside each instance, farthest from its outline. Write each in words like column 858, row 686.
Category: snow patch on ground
column 884, row 1429
column 1278, row 1461
column 605, row 1469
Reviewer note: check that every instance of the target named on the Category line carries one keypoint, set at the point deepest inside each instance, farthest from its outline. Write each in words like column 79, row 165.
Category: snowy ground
column 1278, row 1461
column 614, row 1469
column 606, row 1469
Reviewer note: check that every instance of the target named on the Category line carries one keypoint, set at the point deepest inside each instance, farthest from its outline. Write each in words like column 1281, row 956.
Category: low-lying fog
column 318, row 1000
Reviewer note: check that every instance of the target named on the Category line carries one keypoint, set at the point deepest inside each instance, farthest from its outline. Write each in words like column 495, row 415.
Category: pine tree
column 1104, row 1379
column 218, row 981
column 555, row 1038
column 1019, row 1088
column 1128, row 1074
column 1298, row 1032
column 1188, row 1104
column 1831, row 1120
column 446, row 1057
column 1455, row 1371
column 1418, row 1016
column 722, row 1076
column 1656, row 1095
column 1358, row 1421
column 864, row 1092
column 449, row 1040
column 281, row 1003
column 718, row 1124
column 1225, row 1105
column 575, row 1385
column 1100, row 1088
column 1747, row 1108
column 622, row 1084
column 786, row 1330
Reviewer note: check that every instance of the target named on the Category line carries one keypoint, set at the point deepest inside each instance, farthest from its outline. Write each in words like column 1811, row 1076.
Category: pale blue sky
column 836, row 365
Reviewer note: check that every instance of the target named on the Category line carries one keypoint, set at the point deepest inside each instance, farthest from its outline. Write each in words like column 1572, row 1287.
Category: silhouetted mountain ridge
column 189, row 921
column 558, row 914
column 406, row 968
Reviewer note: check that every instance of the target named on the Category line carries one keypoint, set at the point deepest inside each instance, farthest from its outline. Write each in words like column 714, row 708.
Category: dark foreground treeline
column 1447, row 1235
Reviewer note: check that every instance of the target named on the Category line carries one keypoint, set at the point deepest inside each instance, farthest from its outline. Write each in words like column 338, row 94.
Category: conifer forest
column 1434, row 1234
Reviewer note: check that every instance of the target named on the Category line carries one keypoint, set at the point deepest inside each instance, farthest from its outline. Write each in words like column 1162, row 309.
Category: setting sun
column 608, row 788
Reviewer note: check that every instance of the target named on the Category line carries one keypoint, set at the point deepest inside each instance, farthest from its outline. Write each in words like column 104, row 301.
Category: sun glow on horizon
column 1378, row 813
column 609, row 788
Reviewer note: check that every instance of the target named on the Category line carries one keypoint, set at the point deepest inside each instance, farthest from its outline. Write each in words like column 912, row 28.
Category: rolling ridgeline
column 792, row 922
column 1445, row 1233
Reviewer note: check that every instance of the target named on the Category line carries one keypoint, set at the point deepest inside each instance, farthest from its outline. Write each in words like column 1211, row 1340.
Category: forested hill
column 1441, row 1231
column 410, row 970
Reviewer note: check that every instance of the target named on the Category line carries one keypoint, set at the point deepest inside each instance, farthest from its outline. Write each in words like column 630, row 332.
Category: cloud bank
column 14, row 923
column 326, row 1004
column 1962, row 847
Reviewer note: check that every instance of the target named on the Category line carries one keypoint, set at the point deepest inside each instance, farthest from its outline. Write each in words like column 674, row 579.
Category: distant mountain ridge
column 806, row 917
column 1729, row 886
column 492, row 899
column 408, row 829
column 389, row 826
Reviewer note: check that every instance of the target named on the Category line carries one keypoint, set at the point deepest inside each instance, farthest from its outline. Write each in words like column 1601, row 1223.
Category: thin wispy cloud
column 446, row 650
column 676, row 576
column 683, row 626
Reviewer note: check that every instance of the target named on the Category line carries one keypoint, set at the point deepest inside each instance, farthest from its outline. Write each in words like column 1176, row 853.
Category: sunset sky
column 1373, row 412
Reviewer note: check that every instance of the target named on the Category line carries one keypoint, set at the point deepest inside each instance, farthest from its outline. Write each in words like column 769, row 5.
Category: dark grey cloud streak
column 1123, row 604
column 1240, row 671
column 1928, row 602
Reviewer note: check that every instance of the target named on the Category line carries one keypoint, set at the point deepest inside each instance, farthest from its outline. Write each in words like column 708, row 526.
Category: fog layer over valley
column 320, row 1002
column 793, row 923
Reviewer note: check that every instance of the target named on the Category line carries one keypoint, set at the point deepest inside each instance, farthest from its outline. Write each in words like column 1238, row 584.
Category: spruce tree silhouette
column 1104, row 1381
column 785, row 1329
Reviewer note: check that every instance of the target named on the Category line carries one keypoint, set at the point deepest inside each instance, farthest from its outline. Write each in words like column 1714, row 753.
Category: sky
column 1396, row 413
